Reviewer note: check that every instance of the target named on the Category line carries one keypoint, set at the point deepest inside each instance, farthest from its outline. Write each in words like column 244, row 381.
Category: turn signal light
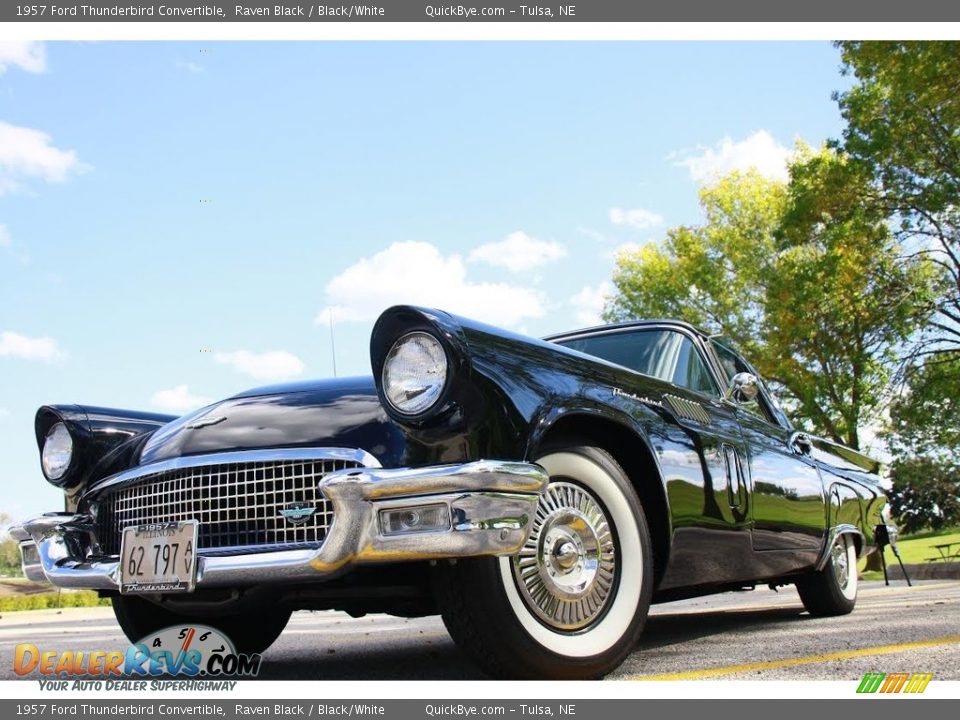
column 415, row 519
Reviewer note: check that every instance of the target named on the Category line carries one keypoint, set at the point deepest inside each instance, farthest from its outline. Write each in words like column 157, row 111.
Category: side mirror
column 800, row 443
column 743, row 388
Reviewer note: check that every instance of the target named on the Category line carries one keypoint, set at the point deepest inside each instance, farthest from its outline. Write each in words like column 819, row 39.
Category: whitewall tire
column 832, row 590
column 573, row 602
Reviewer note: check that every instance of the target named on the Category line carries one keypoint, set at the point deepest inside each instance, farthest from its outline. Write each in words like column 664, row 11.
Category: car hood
column 327, row 413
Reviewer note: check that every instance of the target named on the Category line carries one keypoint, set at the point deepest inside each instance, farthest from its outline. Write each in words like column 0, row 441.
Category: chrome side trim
column 491, row 506
column 239, row 456
column 373, row 483
column 833, row 534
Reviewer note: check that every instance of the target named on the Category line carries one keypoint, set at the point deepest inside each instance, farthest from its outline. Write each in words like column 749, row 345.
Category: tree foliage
column 925, row 418
column 711, row 275
column 845, row 301
column 818, row 299
column 10, row 558
column 903, row 131
column 903, row 128
column 925, row 494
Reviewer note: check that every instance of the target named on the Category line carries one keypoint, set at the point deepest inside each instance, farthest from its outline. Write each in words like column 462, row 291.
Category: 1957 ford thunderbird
column 539, row 495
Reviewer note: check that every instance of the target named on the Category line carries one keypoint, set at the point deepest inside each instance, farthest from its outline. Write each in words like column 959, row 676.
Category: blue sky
column 177, row 219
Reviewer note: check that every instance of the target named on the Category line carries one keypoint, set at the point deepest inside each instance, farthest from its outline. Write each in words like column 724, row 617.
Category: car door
column 701, row 451
column 787, row 497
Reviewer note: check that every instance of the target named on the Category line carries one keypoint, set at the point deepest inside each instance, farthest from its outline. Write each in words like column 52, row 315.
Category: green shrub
column 53, row 599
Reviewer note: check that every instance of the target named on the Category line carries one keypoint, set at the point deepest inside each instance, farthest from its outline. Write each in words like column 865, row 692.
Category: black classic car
column 538, row 494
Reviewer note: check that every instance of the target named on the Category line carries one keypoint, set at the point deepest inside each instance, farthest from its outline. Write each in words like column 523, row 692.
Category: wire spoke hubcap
column 566, row 569
column 839, row 557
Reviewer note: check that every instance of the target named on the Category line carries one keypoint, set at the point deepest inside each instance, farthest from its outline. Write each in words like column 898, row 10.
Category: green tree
column 10, row 558
column 713, row 275
column 903, row 128
column 925, row 417
column 925, row 494
column 924, row 436
column 903, row 131
column 9, row 550
column 844, row 301
column 818, row 300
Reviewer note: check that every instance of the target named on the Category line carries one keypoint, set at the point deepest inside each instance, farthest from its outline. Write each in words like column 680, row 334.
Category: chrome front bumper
column 491, row 505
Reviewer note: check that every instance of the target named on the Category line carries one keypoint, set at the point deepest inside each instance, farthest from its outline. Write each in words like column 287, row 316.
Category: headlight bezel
column 60, row 429
column 439, row 399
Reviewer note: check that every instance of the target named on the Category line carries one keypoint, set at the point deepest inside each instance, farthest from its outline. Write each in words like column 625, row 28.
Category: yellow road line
column 806, row 660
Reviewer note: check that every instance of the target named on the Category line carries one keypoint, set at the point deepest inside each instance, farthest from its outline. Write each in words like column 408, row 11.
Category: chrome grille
column 237, row 505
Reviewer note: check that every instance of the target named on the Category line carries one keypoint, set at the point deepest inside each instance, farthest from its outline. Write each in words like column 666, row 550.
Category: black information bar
column 484, row 11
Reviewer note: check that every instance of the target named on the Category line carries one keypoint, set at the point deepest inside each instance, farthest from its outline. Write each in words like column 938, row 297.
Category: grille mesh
column 236, row 504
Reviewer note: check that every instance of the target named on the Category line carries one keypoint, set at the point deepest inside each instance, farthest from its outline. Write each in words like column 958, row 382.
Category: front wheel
column 572, row 603
column 250, row 632
column 832, row 590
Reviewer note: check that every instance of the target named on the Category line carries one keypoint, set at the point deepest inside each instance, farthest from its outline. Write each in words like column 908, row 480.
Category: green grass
column 932, row 534
column 915, row 549
column 52, row 599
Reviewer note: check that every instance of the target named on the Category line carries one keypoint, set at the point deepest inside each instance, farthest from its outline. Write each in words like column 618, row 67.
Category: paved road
column 757, row 635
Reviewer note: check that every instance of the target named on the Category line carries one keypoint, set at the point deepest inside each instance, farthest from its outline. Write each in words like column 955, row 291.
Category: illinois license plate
column 159, row 558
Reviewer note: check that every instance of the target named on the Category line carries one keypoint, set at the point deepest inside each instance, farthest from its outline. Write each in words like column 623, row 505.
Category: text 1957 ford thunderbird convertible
column 537, row 494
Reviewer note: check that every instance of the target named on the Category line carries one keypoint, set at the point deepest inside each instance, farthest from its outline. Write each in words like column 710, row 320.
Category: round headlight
column 57, row 452
column 414, row 373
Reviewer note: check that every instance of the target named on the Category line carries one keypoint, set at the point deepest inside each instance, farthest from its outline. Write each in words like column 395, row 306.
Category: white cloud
column 416, row 273
column 589, row 302
column 272, row 365
column 5, row 238
column 759, row 151
column 24, row 54
column 28, row 348
column 638, row 218
column 178, row 399
column 4, row 413
column 594, row 235
column 518, row 252
column 28, row 153
column 190, row 67
column 624, row 248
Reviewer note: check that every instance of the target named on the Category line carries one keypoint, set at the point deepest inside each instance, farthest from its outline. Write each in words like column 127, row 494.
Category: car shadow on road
column 409, row 659
column 662, row 630
column 392, row 660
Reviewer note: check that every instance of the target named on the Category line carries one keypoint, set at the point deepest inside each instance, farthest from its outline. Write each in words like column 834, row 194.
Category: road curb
column 927, row 571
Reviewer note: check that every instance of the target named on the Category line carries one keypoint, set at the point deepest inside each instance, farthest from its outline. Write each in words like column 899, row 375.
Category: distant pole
column 333, row 347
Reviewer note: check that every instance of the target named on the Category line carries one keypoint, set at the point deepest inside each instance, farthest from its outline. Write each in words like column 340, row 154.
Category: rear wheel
column 572, row 603
column 250, row 632
column 833, row 590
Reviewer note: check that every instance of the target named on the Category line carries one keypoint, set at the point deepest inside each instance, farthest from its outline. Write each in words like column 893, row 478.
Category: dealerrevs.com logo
column 185, row 651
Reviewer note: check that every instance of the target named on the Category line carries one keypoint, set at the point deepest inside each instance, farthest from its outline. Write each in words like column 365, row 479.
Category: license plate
column 159, row 558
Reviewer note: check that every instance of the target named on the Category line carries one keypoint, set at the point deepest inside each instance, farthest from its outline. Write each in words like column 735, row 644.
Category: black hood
column 322, row 413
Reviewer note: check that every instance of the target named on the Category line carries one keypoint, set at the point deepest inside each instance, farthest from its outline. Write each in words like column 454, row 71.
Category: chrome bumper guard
column 490, row 503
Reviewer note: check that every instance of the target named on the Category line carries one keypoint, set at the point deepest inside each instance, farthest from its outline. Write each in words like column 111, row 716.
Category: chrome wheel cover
column 567, row 569
column 838, row 556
